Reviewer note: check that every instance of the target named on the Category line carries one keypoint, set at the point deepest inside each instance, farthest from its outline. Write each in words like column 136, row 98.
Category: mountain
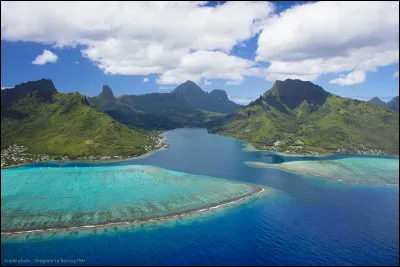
column 302, row 118
column 36, row 116
column 173, row 107
column 126, row 114
column 215, row 101
column 186, row 106
column 377, row 101
column 392, row 104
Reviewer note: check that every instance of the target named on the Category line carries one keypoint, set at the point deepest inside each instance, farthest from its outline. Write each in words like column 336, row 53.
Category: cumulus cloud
column 203, row 65
column 166, row 87
column 45, row 57
column 241, row 100
column 145, row 80
column 308, row 40
column 187, row 40
column 396, row 74
column 5, row 87
column 354, row 77
column 233, row 82
column 158, row 40
column 207, row 82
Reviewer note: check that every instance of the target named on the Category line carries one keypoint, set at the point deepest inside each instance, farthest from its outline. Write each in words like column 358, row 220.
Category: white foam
column 136, row 221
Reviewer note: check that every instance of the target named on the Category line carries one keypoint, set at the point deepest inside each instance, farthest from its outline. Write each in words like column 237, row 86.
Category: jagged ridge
column 36, row 116
column 288, row 118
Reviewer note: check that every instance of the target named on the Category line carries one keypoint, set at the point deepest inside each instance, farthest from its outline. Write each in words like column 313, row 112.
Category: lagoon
column 359, row 170
column 51, row 198
column 305, row 220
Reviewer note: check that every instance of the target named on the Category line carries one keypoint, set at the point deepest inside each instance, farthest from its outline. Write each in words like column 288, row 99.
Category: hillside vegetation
column 392, row 104
column 45, row 121
column 300, row 117
column 186, row 106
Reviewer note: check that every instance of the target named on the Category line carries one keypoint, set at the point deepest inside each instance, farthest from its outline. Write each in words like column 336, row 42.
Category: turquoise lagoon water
column 306, row 220
column 363, row 170
column 46, row 197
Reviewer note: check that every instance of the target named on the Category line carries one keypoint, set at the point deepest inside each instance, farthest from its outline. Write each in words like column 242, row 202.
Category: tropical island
column 297, row 117
column 38, row 123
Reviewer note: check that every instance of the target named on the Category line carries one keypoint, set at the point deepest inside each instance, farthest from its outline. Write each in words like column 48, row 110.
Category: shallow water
column 364, row 170
column 307, row 220
column 86, row 196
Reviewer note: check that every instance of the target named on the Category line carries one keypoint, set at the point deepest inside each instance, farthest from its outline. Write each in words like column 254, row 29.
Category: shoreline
column 145, row 155
column 250, row 148
column 154, row 219
column 313, row 174
column 267, row 165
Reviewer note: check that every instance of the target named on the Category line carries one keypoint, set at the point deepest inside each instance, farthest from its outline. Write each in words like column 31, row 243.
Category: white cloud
column 324, row 29
column 145, row 80
column 396, row 74
column 242, row 101
column 330, row 37
column 166, row 87
column 45, row 57
column 187, row 40
column 355, row 77
column 233, row 82
column 158, row 40
column 5, row 87
column 207, row 82
column 207, row 65
column 76, row 62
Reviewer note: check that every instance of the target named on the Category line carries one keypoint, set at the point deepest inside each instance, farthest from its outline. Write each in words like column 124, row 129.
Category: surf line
column 262, row 190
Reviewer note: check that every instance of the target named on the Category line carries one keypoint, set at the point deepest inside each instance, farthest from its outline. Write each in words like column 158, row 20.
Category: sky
column 349, row 48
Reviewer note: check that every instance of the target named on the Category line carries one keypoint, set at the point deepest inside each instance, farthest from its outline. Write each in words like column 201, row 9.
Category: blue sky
column 268, row 41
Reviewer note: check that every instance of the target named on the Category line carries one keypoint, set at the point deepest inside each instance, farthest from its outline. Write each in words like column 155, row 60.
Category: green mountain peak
column 188, row 88
column 305, row 119
column 377, row 101
column 107, row 92
column 42, row 89
column 392, row 104
column 218, row 93
column 215, row 101
column 46, row 121
column 293, row 92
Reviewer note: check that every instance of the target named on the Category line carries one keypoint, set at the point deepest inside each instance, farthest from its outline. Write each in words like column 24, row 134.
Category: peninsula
column 40, row 124
column 298, row 117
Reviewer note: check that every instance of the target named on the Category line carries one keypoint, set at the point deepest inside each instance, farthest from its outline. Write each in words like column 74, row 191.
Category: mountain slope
column 45, row 121
column 126, row 114
column 300, row 117
column 392, row 104
column 186, row 106
column 215, row 101
column 171, row 106
column 377, row 101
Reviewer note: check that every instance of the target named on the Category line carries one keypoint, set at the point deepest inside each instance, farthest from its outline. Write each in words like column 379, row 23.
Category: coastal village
column 16, row 155
column 299, row 149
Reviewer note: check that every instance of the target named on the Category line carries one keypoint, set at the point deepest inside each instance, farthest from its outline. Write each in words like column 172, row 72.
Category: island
column 301, row 118
column 38, row 123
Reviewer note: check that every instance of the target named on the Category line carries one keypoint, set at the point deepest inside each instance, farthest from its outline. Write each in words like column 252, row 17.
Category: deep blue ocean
column 305, row 221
